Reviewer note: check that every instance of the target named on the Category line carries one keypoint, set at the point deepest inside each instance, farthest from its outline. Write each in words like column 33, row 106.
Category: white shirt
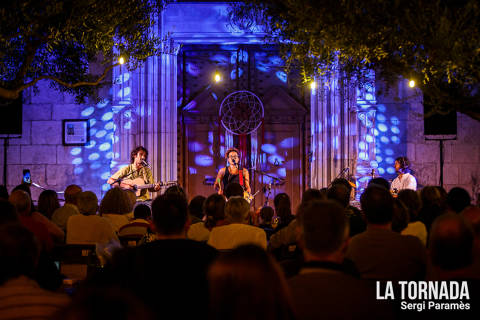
column 235, row 234
column 407, row 182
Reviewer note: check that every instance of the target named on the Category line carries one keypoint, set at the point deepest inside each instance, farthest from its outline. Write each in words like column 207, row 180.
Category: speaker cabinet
column 11, row 116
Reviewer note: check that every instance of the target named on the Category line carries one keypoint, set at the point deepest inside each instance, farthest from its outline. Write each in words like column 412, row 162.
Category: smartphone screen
column 26, row 176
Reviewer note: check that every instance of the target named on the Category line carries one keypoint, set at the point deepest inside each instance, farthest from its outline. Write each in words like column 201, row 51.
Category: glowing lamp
column 411, row 83
column 121, row 60
column 217, row 77
column 313, row 85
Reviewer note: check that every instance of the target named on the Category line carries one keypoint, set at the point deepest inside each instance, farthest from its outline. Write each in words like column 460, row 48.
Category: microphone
column 145, row 163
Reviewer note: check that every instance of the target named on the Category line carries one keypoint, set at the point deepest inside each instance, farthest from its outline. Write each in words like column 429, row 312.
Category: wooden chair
column 76, row 261
column 130, row 240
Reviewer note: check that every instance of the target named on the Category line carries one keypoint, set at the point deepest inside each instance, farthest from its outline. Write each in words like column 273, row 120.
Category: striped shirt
column 22, row 298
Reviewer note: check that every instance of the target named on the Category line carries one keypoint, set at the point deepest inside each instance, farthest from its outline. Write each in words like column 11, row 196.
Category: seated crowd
column 215, row 258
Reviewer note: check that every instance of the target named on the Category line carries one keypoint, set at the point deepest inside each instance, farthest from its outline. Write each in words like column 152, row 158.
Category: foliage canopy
column 60, row 40
column 435, row 42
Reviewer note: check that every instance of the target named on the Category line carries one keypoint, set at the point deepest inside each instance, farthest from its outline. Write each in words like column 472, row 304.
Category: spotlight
column 411, row 83
column 121, row 60
column 313, row 85
column 217, row 77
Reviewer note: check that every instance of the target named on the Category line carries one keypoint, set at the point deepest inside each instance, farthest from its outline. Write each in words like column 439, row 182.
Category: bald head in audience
column 451, row 242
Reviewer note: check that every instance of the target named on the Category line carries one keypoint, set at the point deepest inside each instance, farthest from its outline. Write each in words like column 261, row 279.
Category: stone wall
column 461, row 156
column 40, row 148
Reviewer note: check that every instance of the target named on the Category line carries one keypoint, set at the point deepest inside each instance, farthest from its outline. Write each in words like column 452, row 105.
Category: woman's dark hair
column 115, row 201
column 142, row 211
column 237, row 282
column 412, row 201
column 283, row 208
column 214, row 209
column 48, row 203
column 135, row 151
column 400, row 216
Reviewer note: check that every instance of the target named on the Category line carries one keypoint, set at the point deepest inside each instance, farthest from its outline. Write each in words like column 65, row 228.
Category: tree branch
column 14, row 93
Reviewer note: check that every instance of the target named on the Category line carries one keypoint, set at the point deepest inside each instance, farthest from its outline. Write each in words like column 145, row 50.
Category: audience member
column 195, row 209
column 246, row 283
column 233, row 189
column 214, row 210
column 324, row 289
column 48, row 203
column 237, row 232
column 400, row 216
column 173, row 264
column 458, row 199
column 60, row 216
column 8, row 213
column 20, row 295
column 434, row 204
column 472, row 215
column 87, row 227
column 283, row 210
column 340, row 191
column 176, row 189
column 115, row 206
column 3, row 192
column 140, row 225
column 379, row 253
column 266, row 215
column 104, row 303
column 22, row 202
column 380, row 182
column 451, row 247
column 415, row 227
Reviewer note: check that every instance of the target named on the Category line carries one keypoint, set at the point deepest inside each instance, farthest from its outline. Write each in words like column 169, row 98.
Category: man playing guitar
column 231, row 173
column 135, row 170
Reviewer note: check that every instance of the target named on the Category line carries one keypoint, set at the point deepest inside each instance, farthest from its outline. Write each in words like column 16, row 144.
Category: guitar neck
column 162, row 184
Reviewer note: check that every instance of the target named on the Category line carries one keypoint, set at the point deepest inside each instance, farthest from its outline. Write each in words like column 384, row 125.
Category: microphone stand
column 120, row 179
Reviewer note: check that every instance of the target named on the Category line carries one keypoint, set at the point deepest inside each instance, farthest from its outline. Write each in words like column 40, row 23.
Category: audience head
column 214, row 209
column 451, row 242
column 266, row 214
column 3, row 192
column 176, row 189
column 434, row 203
column 236, row 210
column 132, row 197
column 70, row 193
column 379, row 182
column 195, row 208
column 104, row 303
column 237, row 282
column 323, row 227
column 115, row 201
column 19, row 251
column 411, row 200
column 87, row 203
column 400, row 217
column 377, row 204
column 142, row 211
column 312, row 194
column 458, row 199
column 343, row 182
column 8, row 213
column 340, row 193
column 170, row 214
column 283, row 207
column 22, row 202
column 233, row 189
column 48, row 203
column 25, row 187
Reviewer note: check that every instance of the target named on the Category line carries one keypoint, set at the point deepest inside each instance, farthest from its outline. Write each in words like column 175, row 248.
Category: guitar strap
column 240, row 176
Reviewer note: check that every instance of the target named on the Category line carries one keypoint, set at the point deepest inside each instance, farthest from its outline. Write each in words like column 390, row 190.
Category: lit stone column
column 156, row 97
column 333, row 121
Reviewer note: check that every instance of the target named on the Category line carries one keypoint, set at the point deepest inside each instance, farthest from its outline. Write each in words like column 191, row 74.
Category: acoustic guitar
column 138, row 184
